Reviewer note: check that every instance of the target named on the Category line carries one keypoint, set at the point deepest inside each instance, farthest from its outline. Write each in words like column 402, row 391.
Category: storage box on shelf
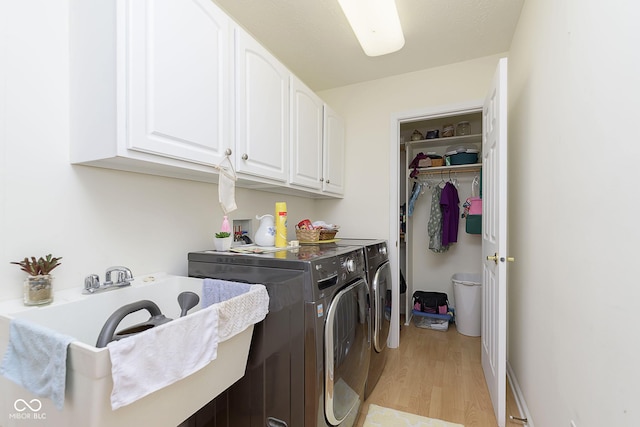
column 462, row 161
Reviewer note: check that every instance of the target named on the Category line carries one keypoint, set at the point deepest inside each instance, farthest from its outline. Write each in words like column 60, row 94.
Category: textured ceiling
column 314, row 40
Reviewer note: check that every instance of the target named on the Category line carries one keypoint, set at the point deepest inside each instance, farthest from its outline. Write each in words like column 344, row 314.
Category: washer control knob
column 349, row 265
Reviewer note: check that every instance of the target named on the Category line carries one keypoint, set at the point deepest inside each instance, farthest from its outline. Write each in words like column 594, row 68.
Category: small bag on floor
column 431, row 302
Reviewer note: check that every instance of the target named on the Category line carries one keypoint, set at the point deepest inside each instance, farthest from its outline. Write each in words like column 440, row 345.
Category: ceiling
column 314, row 40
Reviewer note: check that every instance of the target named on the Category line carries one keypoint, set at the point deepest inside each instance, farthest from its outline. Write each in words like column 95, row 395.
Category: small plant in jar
column 38, row 288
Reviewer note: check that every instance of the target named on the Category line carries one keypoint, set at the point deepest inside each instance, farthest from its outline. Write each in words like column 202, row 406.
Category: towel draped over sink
column 36, row 359
column 235, row 313
column 160, row 356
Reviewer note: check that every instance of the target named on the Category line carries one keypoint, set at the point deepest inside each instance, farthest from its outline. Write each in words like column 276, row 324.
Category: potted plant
column 223, row 241
column 38, row 288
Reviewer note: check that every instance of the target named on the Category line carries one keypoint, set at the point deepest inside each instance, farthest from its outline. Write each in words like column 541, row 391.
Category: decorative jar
column 463, row 128
column 38, row 290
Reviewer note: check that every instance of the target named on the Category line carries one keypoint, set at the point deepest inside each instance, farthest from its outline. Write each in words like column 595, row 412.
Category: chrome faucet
column 115, row 277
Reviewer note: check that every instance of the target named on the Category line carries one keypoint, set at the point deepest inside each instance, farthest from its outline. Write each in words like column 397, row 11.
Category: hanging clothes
column 415, row 164
column 434, row 226
column 449, row 202
column 415, row 193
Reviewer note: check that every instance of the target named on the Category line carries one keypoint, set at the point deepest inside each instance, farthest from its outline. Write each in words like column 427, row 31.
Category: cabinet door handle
column 228, row 152
column 245, row 156
column 328, row 182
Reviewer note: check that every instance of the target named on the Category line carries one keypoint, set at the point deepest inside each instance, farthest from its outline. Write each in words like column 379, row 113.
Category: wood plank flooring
column 439, row 375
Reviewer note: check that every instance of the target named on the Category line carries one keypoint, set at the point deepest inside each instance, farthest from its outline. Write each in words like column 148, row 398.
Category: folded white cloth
column 36, row 359
column 160, row 356
column 240, row 304
column 227, row 187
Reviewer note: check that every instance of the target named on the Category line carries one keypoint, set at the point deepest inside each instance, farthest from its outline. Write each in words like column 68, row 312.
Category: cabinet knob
column 321, row 179
column 228, row 152
column 328, row 182
column 245, row 156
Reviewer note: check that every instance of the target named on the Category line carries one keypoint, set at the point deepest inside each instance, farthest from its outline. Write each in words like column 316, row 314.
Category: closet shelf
column 437, row 170
column 471, row 139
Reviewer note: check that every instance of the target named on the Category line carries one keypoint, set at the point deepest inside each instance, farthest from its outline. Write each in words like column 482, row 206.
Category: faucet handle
column 91, row 283
column 122, row 275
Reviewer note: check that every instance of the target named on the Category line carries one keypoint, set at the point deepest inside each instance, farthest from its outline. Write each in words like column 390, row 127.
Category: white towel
column 240, row 304
column 160, row 356
column 227, row 187
column 36, row 359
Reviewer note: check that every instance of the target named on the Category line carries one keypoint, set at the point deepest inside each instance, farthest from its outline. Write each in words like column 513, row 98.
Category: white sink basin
column 89, row 382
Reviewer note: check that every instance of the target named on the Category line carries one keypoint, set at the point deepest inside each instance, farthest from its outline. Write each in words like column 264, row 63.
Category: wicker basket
column 308, row 235
column 328, row 234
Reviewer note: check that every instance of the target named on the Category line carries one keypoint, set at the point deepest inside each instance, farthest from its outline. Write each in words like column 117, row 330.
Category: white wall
column 367, row 109
column 573, row 176
column 93, row 218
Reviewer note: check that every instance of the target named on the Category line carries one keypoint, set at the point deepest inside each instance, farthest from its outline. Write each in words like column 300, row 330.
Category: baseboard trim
column 519, row 397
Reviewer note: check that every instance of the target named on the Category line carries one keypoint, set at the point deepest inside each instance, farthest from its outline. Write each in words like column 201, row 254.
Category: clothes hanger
column 475, row 185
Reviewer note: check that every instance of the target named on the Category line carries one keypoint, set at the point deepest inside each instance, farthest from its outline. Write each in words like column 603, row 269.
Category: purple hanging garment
column 449, row 202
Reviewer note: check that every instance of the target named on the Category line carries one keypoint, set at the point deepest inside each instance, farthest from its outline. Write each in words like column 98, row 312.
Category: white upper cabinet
column 150, row 85
column 169, row 88
column 177, row 62
column 334, row 141
column 306, row 136
column 261, row 112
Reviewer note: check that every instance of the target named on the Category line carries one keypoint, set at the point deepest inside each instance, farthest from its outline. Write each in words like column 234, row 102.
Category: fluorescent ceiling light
column 376, row 25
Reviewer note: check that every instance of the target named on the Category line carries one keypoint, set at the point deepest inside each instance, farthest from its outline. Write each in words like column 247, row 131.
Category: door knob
column 495, row 258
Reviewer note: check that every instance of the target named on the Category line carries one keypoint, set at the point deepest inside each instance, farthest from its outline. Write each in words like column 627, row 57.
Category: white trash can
column 467, row 291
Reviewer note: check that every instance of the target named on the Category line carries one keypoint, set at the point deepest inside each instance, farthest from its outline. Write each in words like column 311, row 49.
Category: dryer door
column 381, row 288
column 347, row 351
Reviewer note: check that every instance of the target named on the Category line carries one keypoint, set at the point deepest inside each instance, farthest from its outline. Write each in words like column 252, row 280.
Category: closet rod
column 439, row 170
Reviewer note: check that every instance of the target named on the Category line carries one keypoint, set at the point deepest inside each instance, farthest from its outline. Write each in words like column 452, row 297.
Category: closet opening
column 437, row 150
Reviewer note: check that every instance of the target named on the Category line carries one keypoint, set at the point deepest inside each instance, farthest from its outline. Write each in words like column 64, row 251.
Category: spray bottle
column 225, row 225
column 281, row 225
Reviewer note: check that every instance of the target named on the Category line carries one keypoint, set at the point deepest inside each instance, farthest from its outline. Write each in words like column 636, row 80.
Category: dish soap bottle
column 281, row 225
column 225, row 225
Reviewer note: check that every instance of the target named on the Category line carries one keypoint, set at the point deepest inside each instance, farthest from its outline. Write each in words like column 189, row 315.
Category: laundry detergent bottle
column 281, row 225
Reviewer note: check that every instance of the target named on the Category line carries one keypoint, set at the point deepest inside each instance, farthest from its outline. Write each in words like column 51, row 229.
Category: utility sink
column 89, row 380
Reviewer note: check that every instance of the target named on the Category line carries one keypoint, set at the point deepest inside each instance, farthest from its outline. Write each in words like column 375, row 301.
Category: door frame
column 394, row 196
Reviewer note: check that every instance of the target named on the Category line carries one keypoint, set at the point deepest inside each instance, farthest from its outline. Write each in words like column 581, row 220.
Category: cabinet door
column 333, row 170
column 262, row 111
column 177, row 65
column 306, row 136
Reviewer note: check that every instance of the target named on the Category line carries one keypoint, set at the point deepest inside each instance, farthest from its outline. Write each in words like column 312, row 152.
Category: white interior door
column 494, row 241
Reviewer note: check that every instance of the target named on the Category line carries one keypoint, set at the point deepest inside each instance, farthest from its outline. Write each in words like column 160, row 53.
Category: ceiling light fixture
column 376, row 25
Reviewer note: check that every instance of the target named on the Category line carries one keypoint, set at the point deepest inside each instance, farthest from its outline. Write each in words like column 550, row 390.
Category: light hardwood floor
column 438, row 375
